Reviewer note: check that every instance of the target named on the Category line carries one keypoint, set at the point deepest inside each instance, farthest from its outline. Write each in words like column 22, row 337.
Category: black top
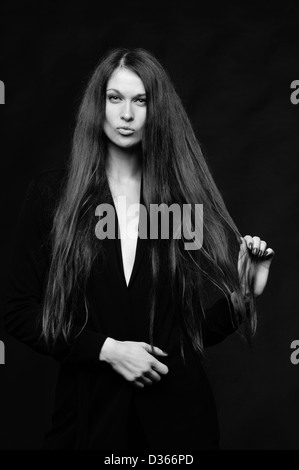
column 93, row 405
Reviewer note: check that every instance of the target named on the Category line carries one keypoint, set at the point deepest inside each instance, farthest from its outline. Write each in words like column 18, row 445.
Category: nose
column 127, row 112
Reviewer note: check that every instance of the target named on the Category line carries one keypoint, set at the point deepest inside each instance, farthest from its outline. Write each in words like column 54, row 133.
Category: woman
column 128, row 317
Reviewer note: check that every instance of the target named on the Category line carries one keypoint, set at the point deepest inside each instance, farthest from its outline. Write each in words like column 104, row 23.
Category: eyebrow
column 117, row 91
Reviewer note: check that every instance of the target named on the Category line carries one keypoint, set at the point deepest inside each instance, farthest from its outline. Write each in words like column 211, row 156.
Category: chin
column 128, row 143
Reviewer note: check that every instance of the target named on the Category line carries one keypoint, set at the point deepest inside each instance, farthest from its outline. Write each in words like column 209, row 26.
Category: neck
column 123, row 164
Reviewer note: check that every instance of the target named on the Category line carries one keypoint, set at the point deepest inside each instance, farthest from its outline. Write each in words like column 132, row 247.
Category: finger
column 153, row 350
column 249, row 241
column 243, row 246
column 256, row 245
column 159, row 367
column 138, row 384
column 159, row 352
column 263, row 246
column 243, row 253
column 145, row 380
column 153, row 375
column 269, row 253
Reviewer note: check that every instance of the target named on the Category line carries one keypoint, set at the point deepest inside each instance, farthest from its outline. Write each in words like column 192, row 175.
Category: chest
column 127, row 208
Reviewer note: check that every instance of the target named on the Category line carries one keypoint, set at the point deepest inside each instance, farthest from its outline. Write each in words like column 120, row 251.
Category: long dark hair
column 174, row 171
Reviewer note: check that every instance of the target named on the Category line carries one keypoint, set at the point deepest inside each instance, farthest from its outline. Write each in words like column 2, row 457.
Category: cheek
column 108, row 116
column 111, row 113
column 108, row 123
column 143, row 118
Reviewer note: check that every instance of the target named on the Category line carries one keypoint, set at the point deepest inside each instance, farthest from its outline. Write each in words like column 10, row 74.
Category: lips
column 125, row 130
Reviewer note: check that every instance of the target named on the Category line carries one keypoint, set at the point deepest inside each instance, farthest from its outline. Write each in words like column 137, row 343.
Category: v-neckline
column 118, row 240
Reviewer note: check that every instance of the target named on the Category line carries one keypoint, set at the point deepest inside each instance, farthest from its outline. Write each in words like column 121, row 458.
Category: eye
column 141, row 100
column 113, row 98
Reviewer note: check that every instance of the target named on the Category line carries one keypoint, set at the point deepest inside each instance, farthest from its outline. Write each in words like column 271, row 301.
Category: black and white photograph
column 149, row 297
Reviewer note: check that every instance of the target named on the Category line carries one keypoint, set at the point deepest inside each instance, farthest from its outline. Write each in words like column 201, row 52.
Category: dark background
column 232, row 67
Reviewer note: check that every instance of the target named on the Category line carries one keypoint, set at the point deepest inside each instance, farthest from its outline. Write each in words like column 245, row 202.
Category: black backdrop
column 233, row 68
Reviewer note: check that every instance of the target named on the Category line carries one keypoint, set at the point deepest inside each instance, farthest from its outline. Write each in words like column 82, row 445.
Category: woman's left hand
column 260, row 258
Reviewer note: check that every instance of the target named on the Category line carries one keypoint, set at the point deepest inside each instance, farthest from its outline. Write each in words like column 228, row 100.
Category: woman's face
column 125, row 108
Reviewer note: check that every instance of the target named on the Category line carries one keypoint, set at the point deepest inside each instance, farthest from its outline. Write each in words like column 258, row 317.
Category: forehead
column 126, row 81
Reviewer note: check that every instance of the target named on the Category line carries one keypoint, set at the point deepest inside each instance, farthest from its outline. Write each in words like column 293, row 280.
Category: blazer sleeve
column 220, row 321
column 30, row 261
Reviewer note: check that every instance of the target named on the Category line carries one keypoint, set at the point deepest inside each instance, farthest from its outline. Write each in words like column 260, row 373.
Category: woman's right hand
column 134, row 361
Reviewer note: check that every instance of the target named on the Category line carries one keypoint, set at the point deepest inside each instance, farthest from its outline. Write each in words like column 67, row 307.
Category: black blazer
column 93, row 405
